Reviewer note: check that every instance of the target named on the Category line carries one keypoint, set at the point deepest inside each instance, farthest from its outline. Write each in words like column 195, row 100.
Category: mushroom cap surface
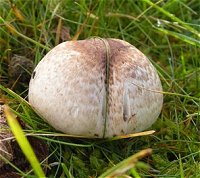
column 96, row 88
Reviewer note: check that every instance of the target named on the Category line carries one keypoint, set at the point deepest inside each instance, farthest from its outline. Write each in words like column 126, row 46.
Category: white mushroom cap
column 96, row 88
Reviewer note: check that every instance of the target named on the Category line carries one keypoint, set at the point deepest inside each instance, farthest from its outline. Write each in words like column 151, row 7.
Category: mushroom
column 96, row 88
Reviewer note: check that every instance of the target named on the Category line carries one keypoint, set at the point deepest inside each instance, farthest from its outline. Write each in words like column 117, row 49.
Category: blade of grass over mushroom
column 126, row 164
column 23, row 142
column 106, row 82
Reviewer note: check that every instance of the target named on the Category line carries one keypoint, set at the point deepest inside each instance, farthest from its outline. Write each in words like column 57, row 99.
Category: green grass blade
column 176, row 19
column 24, row 36
column 135, row 173
column 125, row 165
column 66, row 171
column 14, row 95
column 180, row 36
column 181, row 167
column 23, row 142
column 12, row 165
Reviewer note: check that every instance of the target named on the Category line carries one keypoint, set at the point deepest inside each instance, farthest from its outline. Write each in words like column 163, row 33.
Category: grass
column 168, row 32
column 23, row 142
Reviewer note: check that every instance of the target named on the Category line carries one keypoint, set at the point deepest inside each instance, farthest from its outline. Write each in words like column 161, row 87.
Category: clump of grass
column 166, row 31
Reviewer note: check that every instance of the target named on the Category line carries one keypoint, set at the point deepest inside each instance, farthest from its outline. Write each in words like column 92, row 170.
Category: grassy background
column 167, row 31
